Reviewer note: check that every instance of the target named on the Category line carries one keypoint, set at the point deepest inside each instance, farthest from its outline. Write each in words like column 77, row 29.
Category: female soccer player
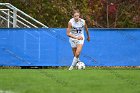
column 75, row 32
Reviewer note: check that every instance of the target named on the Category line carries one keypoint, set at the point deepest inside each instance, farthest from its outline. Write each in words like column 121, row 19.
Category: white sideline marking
column 2, row 91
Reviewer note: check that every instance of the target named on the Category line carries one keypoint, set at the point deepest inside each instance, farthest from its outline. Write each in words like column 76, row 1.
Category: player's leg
column 74, row 50
column 78, row 45
column 73, row 45
column 78, row 50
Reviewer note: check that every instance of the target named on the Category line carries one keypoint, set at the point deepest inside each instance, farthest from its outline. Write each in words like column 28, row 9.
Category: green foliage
column 56, row 13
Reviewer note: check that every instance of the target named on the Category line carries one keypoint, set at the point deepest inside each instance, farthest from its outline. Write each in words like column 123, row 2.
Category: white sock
column 74, row 61
column 78, row 60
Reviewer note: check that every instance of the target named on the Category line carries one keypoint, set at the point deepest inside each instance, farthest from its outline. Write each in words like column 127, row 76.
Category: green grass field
column 64, row 81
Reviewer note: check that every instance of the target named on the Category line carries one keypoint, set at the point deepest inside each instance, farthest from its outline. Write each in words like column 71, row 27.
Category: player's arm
column 70, row 35
column 87, row 32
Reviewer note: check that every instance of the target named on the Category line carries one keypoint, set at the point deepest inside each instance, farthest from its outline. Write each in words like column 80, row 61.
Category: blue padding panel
column 50, row 47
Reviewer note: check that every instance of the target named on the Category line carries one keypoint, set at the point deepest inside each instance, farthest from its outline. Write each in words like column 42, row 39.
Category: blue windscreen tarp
column 50, row 47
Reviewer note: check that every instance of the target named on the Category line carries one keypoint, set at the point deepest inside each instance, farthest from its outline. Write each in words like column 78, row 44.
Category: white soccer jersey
column 77, row 27
column 77, row 30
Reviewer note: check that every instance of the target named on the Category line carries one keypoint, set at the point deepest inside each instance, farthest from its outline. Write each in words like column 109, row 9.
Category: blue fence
column 50, row 47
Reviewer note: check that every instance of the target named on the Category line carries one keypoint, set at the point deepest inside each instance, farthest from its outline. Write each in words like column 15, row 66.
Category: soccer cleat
column 71, row 68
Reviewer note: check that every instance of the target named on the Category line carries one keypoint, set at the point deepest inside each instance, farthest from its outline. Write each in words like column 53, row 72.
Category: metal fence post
column 8, row 18
column 14, row 18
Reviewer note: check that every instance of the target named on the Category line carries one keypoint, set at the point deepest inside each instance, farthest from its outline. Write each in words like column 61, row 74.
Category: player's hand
column 88, row 39
column 80, row 38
